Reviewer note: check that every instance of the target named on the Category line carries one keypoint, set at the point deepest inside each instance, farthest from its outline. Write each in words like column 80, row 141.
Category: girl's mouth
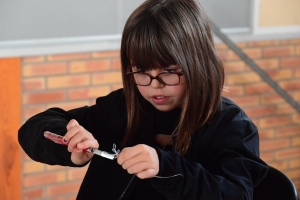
column 159, row 99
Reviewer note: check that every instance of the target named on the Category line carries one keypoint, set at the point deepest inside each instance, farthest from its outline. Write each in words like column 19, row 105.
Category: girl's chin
column 164, row 108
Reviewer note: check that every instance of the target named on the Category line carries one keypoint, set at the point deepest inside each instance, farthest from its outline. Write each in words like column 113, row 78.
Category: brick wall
column 75, row 80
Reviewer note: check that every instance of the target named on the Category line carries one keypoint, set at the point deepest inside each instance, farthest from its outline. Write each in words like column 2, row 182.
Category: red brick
column 33, row 59
column 89, row 66
column 278, row 51
column 288, row 131
column 290, row 85
column 106, row 54
column 258, row 88
column 280, row 165
column 253, row 52
column 288, row 153
column 255, row 121
column 58, row 198
column 290, row 41
column 44, row 69
column 25, row 156
column 223, row 54
column 91, row 92
column 297, row 184
column 33, row 167
column 221, row 46
column 67, row 188
column 294, row 163
column 116, row 64
column 245, row 101
column 249, row 69
column 233, row 90
column 76, row 173
column 72, row 197
column 285, row 108
column 267, row 64
column 293, row 174
column 298, row 50
column 29, row 111
column 44, row 97
column 116, row 86
column 107, row 77
column 296, row 118
column 296, row 95
column 234, row 66
column 33, row 84
column 271, row 99
column 265, row 134
column 55, row 168
column 243, row 78
column 263, row 43
column 92, row 102
column 68, row 81
column 267, row 156
column 290, row 62
column 43, row 179
column 37, row 193
column 231, row 55
column 276, row 121
column 267, row 145
column 60, row 57
column 280, row 74
column 260, row 111
column 69, row 105
column 297, row 73
column 296, row 141
column 241, row 45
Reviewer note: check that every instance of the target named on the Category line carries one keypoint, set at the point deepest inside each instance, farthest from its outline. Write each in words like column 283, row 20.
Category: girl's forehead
column 171, row 66
column 149, row 63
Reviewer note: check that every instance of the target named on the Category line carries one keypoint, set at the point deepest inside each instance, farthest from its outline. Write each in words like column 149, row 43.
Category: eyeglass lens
column 165, row 78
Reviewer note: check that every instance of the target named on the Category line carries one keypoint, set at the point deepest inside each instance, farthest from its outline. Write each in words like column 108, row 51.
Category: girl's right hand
column 79, row 139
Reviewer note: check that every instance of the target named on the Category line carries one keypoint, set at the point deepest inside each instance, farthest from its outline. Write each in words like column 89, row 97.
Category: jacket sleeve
column 225, row 163
column 37, row 147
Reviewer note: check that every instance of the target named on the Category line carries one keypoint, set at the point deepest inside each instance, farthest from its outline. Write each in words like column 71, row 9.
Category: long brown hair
column 160, row 33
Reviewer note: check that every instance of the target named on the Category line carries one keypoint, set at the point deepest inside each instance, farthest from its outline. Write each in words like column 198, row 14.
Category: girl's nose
column 156, row 84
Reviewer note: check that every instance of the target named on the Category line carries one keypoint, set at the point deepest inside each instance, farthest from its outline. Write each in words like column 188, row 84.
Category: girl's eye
column 170, row 70
column 141, row 70
column 134, row 69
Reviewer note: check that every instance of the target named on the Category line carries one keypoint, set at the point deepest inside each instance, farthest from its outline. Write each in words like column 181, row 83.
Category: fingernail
column 69, row 150
column 64, row 140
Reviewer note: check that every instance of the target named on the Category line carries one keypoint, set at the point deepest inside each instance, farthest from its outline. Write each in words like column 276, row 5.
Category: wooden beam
column 10, row 120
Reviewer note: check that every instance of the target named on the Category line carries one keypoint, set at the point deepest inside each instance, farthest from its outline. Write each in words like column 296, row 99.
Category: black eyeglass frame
column 155, row 77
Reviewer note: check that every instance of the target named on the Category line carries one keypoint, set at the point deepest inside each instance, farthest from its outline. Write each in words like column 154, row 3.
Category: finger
column 72, row 131
column 81, row 157
column 88, row 143
column 80, row 135
column 133, row 161
column 72, row 123
column 139, row 167
column 149, row 173
column 127, row 153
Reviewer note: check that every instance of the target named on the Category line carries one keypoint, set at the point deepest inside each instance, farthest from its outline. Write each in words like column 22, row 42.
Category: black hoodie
column 222, row 161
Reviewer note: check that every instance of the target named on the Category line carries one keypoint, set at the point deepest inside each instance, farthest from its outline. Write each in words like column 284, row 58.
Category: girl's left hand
column 141, row 160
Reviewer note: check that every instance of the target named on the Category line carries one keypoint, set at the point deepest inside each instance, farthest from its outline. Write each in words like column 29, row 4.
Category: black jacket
column 222, row 162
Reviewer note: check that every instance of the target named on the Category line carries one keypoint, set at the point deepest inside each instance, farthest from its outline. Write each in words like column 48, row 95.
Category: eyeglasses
column 166, row 78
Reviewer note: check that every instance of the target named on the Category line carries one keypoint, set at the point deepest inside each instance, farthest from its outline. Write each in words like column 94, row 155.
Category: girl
column 180, row 138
